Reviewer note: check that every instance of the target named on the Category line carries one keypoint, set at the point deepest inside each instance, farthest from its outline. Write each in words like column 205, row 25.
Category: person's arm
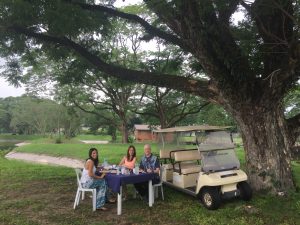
column 122, row 161
column 90, row 165
column 134, row 160
column 156, row 170
column 142, row 169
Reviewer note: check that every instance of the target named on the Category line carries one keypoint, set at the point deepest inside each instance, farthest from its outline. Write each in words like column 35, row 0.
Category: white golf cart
column 201, row 161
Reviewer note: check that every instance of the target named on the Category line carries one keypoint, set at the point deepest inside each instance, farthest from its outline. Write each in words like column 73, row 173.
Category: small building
column 144, row 132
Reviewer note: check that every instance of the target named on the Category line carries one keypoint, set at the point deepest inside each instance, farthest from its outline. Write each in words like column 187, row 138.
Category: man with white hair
column 149, row 164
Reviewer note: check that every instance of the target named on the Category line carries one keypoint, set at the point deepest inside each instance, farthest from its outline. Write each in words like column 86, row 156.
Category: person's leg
column 101, row 188
column 110, row 197
column 156, row 180
column 142, row 188
column 124, row 191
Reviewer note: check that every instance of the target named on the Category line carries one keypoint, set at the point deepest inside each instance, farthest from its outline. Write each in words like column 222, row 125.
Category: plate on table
column 112, row 171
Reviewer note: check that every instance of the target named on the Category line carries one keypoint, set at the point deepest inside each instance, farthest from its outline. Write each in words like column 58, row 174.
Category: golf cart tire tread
column 215, row 195
column 245, row 191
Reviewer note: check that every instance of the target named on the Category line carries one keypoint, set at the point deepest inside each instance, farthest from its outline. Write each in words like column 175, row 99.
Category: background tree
column 165, row 106
column 112, row 108
column 212, row 115
column 251, row 92
column 5, row 114
column 32, row 115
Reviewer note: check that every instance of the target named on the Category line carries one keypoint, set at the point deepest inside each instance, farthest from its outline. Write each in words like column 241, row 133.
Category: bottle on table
column 118, row 170
column 136, row 168
column 105, row 163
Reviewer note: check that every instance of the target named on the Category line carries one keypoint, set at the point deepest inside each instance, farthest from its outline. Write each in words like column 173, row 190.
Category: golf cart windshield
column 178, row 140
column 219, row 160
column 187, row 137
column 217, row 151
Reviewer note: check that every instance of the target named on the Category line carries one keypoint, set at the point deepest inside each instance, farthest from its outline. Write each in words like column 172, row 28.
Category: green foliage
column 58, row 140
column 292, row 102
column 164, row 106
column 250, row 47
column 213, row 115
column 32, row 115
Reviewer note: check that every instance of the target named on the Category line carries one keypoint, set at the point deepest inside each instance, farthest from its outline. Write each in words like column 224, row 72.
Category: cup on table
column 136, row 170
column 123, row 170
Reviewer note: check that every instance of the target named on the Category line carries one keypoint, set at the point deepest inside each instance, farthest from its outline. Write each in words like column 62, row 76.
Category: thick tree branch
column 226, row 9
column 179, row 117
column 95, row 113
column 133, row 18
column 210, row 41
column 197, row 87
column 146, row 113
column 276, row 30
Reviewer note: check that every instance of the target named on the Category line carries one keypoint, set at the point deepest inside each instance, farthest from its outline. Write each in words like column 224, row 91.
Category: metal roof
column 145, row 127
column 191, row 128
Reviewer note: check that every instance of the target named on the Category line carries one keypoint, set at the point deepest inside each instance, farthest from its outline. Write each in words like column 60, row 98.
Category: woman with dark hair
column 90, row 180
column 128, row 161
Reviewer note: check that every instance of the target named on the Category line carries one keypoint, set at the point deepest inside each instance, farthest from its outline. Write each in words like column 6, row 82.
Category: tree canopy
column 248, row 68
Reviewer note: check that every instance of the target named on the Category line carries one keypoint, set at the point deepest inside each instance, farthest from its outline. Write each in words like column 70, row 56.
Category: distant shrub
column 130, row 139
column 58, row 140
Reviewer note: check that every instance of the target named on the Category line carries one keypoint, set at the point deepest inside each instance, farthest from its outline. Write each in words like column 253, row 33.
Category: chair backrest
column 78, row 172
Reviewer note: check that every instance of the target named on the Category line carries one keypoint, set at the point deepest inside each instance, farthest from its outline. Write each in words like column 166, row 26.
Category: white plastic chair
column 160, row 184
column 81, row 191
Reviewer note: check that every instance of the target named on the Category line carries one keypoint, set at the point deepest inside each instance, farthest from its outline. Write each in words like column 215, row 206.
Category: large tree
column 249, row 82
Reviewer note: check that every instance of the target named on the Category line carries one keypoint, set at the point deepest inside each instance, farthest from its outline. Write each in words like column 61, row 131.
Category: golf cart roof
column 192, row 128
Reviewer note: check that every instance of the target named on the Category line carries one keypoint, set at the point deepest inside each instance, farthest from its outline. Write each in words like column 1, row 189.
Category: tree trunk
column 268, row 156
column 114, row 136
column 124, row 132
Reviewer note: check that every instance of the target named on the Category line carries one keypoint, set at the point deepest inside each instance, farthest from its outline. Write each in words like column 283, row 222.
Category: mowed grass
column 95, row 137
column 40, row 194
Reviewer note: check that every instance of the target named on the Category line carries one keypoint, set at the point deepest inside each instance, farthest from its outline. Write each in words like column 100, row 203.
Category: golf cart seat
column 166, row 164
column 186, row 168
column 186, row 161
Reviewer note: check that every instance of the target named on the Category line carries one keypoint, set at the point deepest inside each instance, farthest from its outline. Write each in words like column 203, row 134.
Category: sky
column 7, row 90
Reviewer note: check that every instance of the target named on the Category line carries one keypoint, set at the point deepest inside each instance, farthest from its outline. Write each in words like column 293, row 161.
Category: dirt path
column 45, row 159
column 94, row 142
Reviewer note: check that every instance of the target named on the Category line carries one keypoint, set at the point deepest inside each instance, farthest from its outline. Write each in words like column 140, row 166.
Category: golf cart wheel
column 210, row 197
column 245, row 190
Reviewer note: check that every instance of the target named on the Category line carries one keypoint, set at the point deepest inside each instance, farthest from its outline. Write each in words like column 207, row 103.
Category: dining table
column 115, row 182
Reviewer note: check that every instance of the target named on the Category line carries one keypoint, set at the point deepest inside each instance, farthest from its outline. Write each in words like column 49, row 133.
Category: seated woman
column 128, row 161
column 90, row 180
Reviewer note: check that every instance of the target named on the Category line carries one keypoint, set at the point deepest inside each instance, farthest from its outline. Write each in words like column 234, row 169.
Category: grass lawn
column 94, row 137
column 39, row 194
column 112, row 152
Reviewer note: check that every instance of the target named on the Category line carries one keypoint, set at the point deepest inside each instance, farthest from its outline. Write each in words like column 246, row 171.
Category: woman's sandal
column 103, row 209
